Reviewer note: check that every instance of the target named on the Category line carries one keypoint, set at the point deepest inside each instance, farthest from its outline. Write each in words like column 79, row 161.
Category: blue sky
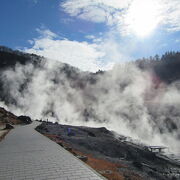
column 91, row 34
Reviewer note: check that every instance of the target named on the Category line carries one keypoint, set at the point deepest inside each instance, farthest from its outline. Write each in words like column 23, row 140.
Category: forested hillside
column 166, row 67
column 144, row 93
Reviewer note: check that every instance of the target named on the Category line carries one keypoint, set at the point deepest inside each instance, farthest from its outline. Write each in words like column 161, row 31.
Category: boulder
column 25, row 119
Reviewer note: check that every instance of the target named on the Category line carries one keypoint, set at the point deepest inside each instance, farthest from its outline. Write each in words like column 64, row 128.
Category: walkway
column 26, row 154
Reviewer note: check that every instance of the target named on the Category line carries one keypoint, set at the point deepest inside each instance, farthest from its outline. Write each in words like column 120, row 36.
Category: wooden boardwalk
column 26, row 154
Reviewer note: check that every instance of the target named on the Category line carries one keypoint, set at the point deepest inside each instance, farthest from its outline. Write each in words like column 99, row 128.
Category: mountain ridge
column 122, row 99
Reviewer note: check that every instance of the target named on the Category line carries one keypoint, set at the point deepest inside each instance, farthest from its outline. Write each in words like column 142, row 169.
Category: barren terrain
column 111, row 155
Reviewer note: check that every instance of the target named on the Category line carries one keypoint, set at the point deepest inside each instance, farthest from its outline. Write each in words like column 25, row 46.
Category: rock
column 105, row 172
column 49, row 123
column 61, row 144
column 9, row 126
column 91, row 134
column 68, row 148
column 104, row 130
column 25, row 119
column 83, row 158
column 43, row 128
column 74, row 153
column 137, row 164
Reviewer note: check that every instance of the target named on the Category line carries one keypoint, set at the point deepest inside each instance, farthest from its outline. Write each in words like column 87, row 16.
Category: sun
column 142, row 17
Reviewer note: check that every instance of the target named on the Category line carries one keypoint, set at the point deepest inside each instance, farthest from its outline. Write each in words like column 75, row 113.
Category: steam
column 123, row 99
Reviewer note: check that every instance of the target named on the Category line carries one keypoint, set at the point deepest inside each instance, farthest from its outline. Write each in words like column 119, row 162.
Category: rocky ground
column 111, row 155
column 8, row 120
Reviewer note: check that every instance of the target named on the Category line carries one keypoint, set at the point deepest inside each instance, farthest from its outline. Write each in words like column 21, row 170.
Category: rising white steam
column 123, row 99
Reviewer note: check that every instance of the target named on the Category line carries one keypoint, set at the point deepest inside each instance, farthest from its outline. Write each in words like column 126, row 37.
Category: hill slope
column 138, row 99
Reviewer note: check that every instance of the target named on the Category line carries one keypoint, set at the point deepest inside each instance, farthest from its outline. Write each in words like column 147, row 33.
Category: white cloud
column 93, row 10
column 125, row 14
column 46, row 33
column 172, row 16
column 90, row 37
column 101, row 54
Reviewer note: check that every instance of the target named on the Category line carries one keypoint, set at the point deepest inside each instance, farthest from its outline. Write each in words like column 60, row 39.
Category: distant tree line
column 9, row 57
column 167, row 67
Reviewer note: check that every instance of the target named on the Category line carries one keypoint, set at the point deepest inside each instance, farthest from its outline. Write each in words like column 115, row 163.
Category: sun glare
column 143, row 17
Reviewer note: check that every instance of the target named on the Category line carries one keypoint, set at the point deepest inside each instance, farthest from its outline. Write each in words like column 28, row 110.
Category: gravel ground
column 102, row 143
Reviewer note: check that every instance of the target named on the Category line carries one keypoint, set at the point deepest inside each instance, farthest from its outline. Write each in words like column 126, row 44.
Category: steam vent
column 90, row 89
